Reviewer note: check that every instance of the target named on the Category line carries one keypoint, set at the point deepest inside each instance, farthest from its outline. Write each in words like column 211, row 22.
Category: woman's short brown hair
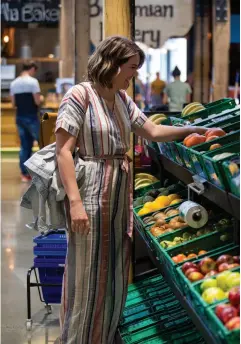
column 110, row 54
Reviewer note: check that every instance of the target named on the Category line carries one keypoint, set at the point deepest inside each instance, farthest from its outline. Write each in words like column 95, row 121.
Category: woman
column 98, row 116
column 178, row 92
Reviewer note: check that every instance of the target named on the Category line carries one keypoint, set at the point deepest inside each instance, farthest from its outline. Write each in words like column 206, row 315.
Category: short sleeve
column 137, row 117
column 189, row 91
column 72, row 111
column 35, row 87
column 11, row 89
column 166, row 90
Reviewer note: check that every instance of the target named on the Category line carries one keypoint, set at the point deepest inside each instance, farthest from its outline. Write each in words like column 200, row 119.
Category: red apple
column 191, row 270
column 211, row 273
column 236, row 259
column 187, row 266
column 206, row 265
column 228, row 313
column 234, row 296
column 233, row 324
column 225, row 258
column 234, row 265
column 223, row 267
column 195, row 276
column 220, row 308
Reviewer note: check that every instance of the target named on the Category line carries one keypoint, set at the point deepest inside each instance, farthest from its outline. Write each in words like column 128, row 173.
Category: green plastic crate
column 184, row 281
column 231, row 126
column 194, row 154
column 218, row 120
column 197, row 301
column 212, row 108
column 219, row 329
column 145, row 189
column 214, row 169
column 232, row 175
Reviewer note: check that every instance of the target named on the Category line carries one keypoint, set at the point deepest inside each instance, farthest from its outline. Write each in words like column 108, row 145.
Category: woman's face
column 126, row 72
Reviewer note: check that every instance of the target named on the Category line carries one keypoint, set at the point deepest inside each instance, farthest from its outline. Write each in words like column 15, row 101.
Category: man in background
column 177, row 93
column 157, row 88
column 25, row 96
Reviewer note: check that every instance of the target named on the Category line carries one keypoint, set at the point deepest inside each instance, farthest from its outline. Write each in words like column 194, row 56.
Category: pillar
column 221, row 44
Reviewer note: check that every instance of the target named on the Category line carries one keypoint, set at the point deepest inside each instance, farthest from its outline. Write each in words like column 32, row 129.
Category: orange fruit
column 215, row 146
column 202, row 252
column 175, row 259
column 181, row 257
column 192, row 255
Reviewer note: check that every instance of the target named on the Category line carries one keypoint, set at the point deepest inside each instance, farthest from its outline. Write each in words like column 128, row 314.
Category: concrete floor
column 17, row 258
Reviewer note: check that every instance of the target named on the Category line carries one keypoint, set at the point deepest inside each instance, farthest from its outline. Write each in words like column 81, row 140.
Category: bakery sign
column 155, row 20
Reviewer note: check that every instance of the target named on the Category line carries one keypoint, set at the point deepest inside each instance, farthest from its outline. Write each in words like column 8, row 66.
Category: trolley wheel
column 29, row 324
column 48, row 309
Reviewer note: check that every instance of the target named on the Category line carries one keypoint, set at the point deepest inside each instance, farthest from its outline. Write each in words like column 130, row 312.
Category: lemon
column 171, row 197
column 175, row 201
column 143, row 211
column 233, row 168
column 148, row 205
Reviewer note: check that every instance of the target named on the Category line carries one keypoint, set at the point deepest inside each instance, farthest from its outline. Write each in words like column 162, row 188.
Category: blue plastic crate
column 55, row 276
column 42, row 251
column 49, row 262
column 51, row 239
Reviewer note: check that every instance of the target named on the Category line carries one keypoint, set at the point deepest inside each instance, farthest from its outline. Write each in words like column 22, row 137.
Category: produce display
column 229, row 313
column 208, row 267
column 203, row 263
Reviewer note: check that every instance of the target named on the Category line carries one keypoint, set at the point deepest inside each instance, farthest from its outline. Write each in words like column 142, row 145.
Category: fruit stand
column 199, row 265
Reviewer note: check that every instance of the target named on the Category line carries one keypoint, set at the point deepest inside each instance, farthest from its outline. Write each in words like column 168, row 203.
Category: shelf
column 201, row 326
column 35, row 59
column 225, row 200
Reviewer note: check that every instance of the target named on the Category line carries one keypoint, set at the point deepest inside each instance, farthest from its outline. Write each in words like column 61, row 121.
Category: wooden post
column 221, row 44
column 66, row 39
column 118, row 20
column 82, row 39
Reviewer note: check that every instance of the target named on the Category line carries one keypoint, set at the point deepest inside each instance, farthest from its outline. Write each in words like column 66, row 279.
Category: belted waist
column 125, row 164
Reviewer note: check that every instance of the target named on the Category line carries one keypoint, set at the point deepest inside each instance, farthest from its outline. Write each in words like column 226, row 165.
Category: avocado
column 148, row 199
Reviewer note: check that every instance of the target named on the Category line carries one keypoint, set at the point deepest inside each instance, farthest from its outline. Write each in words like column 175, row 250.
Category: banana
column 143, row 181
column 142, row 185
column 156, row 116
column 192, row 108
column 159, row 120
column 145, row 175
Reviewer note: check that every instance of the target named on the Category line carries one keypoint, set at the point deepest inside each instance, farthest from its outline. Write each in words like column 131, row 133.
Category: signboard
column 156, row 20
column 14, row 12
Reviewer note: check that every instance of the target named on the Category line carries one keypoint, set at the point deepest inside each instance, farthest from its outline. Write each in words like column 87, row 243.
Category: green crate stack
column 220, row 119
column 184, row 282
column 214, row 169
column 194, row 155
column 229, row 337
column 151, row 317
column 232, row 173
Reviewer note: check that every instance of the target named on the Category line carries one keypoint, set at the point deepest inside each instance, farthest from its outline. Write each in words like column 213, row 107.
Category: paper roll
column 193, row 214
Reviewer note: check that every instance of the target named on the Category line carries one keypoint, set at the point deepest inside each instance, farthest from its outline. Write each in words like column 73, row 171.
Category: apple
column 233, row 280
column 232, row 266
column 208, row 283
column 223, row 267
column 236, row 259
column 222, row 280
column 233, row 324
column 234, row 296
column 207, row 264
column 211, row 273
column 225, row 258
column 195, row 276
column 187, row 266
column 213, row 294
column 191, row 270
column 228, row 313
column 220, row 308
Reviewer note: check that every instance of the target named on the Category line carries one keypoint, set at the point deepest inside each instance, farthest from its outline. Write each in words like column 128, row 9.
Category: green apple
column 208, row 283
column 213, row 294
column 233, row 280
column 222, row 280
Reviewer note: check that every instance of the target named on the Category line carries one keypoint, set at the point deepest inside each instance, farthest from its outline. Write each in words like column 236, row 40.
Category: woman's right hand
column 79, row 219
